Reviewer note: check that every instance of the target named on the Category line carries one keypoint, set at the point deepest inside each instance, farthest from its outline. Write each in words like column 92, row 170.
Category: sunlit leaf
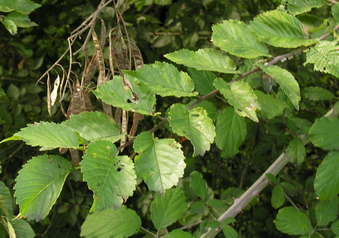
column 296, row 151
column 300, row 6
column 325, row 57
column 50, row 135
column 20, row 19
column 241, row 96
column 36, row 197
column 94, row 126
column 293, row 222
column 317, row 93
column 278, row 196
column 237, row 38
column 324, row 133
column 168, row 208
column 231, row 132
column 112, row 178
column 326, row 211
column 115, row 93
column 286, row 81
column 194, row 124
column 270, row 106
column 179, row 233
column 326, row 181
column 111, row 223
column 198, row 184
column 10, row 25
column 159, row 162
column 165, row 80
column 280, row 29
column 204, row 59
column 22, row 228
column 24, row 6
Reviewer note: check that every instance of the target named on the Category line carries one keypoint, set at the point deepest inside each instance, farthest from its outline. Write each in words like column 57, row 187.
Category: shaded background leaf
column 231, row 132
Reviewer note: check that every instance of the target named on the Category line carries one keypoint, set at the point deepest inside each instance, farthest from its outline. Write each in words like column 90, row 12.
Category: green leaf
column 231, row 132
column 270, row 106
column 39, row 184
column 204, row 59
column 237, row 38
column 301, row 6
column 326, row 211
column 326, row 184
column 317, row 93
column 160, row 162
column 203, row 80
column 241, row 96
column 111, row 178
column 280, row 29
column 20, row 19
column 13, row 92
column 24, row 6
column 292, row 222
column 111, row 223
column 179, row 233
column 335, row 227
column 22, row 228
column 272, row 178
column 335, row 12
column 198, row 184
column 278, row 196
column 165, row 80
column 296, row 151
column 114, row 93
column 10, row 25
column 324, row 133
column 286, row 81
column 229, row 231
column 194, row 124
column 6, row 200
column 51, row 135
column 94, row 126
column 169, row 208
column 325, row 57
